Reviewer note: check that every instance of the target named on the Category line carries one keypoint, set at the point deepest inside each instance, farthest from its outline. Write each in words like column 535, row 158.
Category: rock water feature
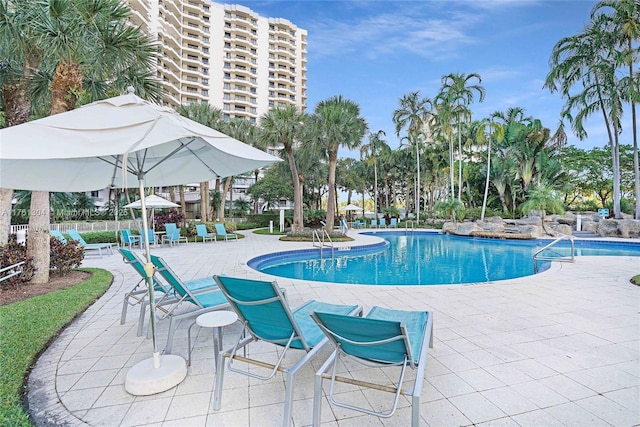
column 531, row 227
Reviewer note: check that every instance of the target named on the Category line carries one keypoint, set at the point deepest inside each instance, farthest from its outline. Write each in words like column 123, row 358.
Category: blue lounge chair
column 173, row 235
column 201, row 230
column 382, row 338
column 151, row 235
column 374, row 223
column 201, row 295
column 129, row 239
column 265, row 313
column 138, row 294
column 221, row 231
column 90, row 246
column 393, row 223
column 58, row 235
column 383, row 222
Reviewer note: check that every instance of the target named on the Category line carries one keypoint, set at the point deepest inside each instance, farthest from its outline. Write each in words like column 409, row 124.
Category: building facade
column 226, row 55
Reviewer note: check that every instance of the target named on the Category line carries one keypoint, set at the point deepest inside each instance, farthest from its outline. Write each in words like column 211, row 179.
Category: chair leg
column 415, row 411
column 217, row 392
column 143, row 312
column 288, row 399
column 172, row 329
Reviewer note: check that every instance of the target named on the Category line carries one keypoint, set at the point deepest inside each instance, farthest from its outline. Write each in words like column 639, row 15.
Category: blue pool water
column 427, row 258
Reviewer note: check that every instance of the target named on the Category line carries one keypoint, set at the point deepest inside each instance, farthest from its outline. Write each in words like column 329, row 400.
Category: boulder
column 534, row 230
column 560, row 229
column 467, row 228
column 589, row 225
column 608, row 228
column 494, row 220
column 449, row 227
column 495, row 227
column 629, row 228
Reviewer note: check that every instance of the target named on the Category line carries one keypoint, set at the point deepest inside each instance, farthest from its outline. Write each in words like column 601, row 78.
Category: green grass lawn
column 27, row 327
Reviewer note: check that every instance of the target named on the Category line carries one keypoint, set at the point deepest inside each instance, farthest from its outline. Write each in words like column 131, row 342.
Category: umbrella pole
column 160, row 373
column 148, row 269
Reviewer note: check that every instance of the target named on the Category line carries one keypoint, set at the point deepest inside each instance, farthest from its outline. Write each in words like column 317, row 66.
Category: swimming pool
column 426, row 258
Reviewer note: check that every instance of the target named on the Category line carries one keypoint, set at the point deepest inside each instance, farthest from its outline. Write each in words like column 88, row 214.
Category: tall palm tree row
column 58, row 52
column 456, row 94
column 584, row 69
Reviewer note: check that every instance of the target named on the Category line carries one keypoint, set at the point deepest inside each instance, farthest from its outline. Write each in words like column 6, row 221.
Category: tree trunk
column 204, row 200
column 298, row 217
column 6, row 194
column 331, row 196
column 183, row 203
column 16, row 111
column 38, row 245
column 172, row 194
column 66, row 83
column 223, row 199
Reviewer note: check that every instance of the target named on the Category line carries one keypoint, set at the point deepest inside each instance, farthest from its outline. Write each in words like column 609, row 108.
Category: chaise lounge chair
column 265, row 313
column 201, row 295
column 382, row 338
column 58, row 235
column 90, row 246
column 138, row 294
column 221, row 231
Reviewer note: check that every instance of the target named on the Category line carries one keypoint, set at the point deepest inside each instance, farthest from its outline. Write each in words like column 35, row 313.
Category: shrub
column 99, row 237
column 262, row 220
column 172, row 216
column 313, row 218
column 249, row 225
column 13, row 253
column 65, row 256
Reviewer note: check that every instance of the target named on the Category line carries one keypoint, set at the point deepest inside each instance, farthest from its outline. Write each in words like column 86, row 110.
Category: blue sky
column 374, row 52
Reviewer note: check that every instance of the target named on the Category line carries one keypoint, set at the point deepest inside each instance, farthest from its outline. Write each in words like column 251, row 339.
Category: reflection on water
column 430, row 258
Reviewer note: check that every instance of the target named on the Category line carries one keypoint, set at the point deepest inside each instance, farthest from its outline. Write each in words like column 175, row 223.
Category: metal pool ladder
column 322, row 242
column 537, row 257
column 407, row 228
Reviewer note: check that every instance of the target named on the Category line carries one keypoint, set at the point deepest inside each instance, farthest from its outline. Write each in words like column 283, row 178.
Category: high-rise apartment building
column 226, row 55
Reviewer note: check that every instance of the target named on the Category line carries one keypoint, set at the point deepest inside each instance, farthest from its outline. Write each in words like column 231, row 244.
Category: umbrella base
column 144, row 379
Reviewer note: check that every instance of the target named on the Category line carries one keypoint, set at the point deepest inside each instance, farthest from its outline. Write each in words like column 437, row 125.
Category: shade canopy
column 152, row 201
column 84, row 149
column 351, row 207
column 123, row 142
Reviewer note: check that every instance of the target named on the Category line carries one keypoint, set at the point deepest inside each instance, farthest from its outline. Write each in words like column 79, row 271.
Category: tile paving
column 559, row 348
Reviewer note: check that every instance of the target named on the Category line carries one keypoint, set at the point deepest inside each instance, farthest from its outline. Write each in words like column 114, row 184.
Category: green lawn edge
column 28, row 327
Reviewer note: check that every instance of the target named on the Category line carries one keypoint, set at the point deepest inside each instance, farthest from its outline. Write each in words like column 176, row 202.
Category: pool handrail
column 536, row 258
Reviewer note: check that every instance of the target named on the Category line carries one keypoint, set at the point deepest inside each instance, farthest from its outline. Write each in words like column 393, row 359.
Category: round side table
column 216, row 320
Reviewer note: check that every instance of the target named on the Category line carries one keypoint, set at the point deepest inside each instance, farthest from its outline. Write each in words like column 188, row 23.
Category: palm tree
column 543, row 197
column 415, row 114
column 336, row 122
column 371, row 151
column 457, row 91
column 626, row 22
column 67, row 50
column 590, row 61
column 495, row 131
column 285, row 125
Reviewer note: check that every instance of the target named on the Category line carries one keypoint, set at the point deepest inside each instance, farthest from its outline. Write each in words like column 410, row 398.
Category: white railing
column 82, row 226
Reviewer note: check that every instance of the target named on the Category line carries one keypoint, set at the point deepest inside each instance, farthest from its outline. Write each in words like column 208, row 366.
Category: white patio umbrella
column 123, row 142
column 154, row 202
column 352, row 207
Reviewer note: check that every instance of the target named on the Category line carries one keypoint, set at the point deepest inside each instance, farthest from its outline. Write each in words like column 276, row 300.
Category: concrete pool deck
column 559, row 348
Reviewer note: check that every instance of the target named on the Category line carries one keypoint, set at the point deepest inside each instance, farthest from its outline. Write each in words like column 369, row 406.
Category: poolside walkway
column 561, row 348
